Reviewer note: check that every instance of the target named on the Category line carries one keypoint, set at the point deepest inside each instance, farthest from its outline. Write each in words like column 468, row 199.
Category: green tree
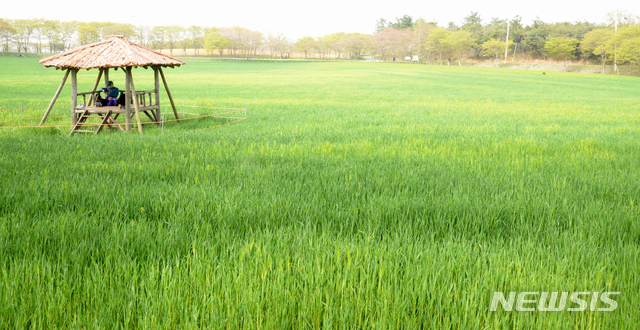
column 156, row 37
column 66, row 31
column 275, row 43
column 516, row 33
column 496, row 29
column 596, row 42
column 216, row 41
column 196, row 37
column 51, row 28
column 88, row 33
column 142, row 35
column 404, row 22
column 333, row 43
column 255, row 40
column 38, row 33
column 535, row 38
column 421, row 31
column 438, row 42
column 473, row 23
column 561, row 49
column 620, row 17
column 381, row 24
column 460, row 41
column 172, row 35
column 357, row 43
column 305, row 45
column 121, row 29
column 628, row 44
column 24, row 29
column 495, row 47
column 321, row 46
column 6, row 33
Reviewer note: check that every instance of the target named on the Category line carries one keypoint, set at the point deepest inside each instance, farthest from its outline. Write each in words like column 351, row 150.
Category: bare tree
column 38, row 33
column 332, row 43
column 620, row 17
column 357, row 43
column 51, row 32
column 123, row 29
column 172, row 35
column 24, row 29
column 156, row 37
column 216, row 41
column 141, row 35
column 196, row 34
column 66, row 33
column 305, row 45
column 274, row 43
column 255, row 41
column 6, row 33
column 88, row 33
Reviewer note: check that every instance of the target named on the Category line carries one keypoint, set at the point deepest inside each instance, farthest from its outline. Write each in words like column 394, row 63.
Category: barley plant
column 355, row 195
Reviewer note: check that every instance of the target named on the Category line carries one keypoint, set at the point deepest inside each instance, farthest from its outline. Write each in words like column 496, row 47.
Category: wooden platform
column 102, row 110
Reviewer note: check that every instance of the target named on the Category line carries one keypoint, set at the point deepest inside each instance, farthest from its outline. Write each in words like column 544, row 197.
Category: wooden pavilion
column 116, row 52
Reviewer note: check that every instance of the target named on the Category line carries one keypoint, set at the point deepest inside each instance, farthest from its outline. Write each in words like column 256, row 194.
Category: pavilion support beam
column 135, row 99
column 55, row 97
column 95, row 86
column 166, row 87
column 106, row 77
column 74, row 95
column 157, row 87
column 127, row 106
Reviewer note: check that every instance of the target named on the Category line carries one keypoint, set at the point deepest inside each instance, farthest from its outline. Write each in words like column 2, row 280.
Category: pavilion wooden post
column 106, row 76
column 95, row 86
column 55, row 97
column 157, row 86
column 135, row 99
column 164, row 81
column 74, row 95
column 127, row 102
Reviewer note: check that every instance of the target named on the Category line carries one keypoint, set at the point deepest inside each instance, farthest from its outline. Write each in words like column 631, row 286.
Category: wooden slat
column 102, row 110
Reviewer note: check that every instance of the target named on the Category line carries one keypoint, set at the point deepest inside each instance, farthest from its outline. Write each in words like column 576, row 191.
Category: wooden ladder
column 83, row 119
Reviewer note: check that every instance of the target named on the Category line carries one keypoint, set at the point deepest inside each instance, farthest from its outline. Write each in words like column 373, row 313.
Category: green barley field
column 354, row 195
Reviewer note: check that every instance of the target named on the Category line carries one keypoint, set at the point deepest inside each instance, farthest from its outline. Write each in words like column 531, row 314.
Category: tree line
column 616, row 41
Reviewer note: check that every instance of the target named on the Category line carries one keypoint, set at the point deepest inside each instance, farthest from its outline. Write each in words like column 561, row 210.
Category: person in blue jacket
column 112, row 96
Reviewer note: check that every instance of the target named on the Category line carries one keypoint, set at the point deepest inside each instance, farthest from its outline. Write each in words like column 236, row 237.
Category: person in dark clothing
column 112, row 96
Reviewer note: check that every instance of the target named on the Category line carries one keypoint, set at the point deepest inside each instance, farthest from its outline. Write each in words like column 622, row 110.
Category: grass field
column 355, row 195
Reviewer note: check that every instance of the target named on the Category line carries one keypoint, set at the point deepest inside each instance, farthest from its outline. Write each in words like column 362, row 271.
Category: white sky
column 296, row 19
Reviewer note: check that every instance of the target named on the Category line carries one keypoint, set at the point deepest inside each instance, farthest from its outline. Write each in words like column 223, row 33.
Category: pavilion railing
column 146, row 99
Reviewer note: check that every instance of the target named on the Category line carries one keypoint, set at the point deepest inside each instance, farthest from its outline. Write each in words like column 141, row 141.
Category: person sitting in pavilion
column 112, row 97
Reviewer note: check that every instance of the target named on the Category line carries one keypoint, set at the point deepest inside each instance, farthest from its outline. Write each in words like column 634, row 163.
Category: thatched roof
column 113, row 53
